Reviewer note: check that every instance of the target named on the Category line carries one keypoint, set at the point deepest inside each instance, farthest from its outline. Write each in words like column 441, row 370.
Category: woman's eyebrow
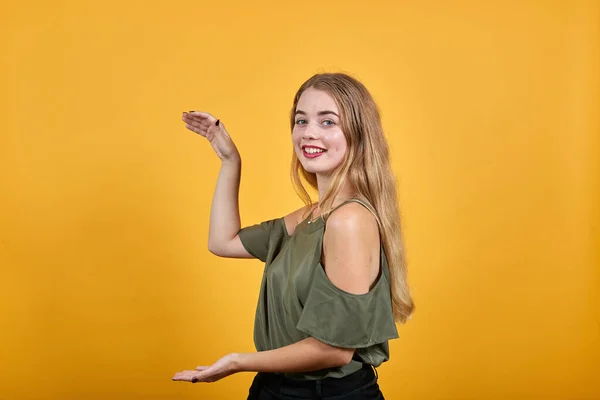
column 319, row 113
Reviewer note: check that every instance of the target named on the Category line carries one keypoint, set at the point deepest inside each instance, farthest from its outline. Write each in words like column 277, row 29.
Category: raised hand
column 212, row 129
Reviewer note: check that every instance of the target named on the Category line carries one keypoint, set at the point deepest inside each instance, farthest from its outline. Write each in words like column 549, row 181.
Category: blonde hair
column 366, row 166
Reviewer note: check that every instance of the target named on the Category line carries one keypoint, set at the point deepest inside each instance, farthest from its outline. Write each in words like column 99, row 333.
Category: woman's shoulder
column 292, row 219
column 352, row 218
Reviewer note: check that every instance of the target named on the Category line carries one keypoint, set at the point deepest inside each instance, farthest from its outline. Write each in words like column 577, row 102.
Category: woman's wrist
column 233, row 160
column 237, row 362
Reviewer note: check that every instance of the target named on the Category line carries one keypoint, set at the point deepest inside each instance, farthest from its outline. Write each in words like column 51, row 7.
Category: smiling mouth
column 312, row 152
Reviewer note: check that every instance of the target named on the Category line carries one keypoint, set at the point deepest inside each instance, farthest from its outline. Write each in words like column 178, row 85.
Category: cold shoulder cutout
column 297, row 300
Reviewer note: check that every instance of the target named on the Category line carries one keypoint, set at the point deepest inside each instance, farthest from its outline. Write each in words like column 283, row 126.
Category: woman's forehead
column 314, row 100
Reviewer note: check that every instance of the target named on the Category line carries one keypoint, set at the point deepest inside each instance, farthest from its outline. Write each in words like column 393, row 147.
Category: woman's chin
column 319, row 171
column 321, row 168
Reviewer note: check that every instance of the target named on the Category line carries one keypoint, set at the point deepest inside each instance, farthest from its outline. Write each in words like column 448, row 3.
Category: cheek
column 335, row 141
column 296, row 137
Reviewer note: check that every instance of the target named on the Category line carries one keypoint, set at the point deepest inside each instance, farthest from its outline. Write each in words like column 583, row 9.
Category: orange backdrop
column 107, row 287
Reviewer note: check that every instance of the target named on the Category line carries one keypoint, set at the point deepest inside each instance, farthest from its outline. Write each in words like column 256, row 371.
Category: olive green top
column 297, row 300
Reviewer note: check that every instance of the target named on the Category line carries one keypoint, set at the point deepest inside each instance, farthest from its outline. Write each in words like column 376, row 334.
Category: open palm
column 222, row 368
column 213, row 130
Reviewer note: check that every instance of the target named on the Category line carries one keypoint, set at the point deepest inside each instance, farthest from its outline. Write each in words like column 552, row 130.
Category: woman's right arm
column 224, row 225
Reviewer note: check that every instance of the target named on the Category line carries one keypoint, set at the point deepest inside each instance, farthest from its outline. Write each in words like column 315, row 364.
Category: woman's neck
column 346, row 190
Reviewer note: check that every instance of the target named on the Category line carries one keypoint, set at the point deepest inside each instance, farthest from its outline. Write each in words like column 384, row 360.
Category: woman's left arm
column 306, row 355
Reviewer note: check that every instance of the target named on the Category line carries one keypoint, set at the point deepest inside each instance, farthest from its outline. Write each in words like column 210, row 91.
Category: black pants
column 361, row 385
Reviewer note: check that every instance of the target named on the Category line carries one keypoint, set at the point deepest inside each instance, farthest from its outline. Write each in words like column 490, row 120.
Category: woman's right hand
column 212, row 129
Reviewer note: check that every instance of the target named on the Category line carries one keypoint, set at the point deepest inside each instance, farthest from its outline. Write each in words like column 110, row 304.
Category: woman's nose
column 311, row 132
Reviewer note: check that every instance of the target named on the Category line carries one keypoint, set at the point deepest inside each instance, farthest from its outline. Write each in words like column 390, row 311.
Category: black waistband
column 325, row 386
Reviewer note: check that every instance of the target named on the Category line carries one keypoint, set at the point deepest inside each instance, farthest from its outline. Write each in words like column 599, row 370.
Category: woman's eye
column 328, row 122
column 300, row 122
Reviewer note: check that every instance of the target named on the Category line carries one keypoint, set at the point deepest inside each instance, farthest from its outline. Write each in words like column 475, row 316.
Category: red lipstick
column 314, row 153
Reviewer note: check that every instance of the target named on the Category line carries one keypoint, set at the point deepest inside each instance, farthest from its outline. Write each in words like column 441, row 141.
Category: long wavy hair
column 366, row 166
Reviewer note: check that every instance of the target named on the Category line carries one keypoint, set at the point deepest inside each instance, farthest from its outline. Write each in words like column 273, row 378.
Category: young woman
column 335, row 280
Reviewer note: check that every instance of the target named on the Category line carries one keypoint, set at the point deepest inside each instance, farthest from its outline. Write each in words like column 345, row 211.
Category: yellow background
column 107, row 287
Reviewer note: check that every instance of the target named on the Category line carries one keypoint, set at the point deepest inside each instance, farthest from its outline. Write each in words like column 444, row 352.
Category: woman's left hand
column 222, row 368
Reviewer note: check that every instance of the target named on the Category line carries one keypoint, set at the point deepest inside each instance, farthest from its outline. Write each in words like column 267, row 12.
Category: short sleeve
column 343, row 319
column 257, row 238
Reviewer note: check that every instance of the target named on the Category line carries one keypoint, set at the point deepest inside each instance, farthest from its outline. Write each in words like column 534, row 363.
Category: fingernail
column 217, row 123
column 191, row 111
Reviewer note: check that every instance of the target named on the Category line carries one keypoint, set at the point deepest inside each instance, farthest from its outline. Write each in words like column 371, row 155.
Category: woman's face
column 318, row 139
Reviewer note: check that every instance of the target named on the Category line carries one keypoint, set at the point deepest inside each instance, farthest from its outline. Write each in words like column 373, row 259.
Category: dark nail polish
column 217, row 123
